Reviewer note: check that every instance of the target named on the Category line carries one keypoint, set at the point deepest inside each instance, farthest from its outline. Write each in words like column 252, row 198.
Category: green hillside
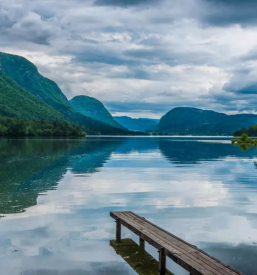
column 91, row 107
column 16, row 102
column 192, row 121
column 26, row 75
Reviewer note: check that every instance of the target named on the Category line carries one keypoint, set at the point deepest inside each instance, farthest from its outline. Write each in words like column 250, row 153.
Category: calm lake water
column 56, row 195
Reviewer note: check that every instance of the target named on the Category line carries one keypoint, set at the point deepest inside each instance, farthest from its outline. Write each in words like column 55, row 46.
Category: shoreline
column 216, row 141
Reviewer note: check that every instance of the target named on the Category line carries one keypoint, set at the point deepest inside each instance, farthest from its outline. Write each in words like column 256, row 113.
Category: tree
column 3, row 130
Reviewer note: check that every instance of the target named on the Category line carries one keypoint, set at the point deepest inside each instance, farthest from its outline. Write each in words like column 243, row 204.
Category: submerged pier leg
column 142, row 243
column 118, row 231
column 162, row 262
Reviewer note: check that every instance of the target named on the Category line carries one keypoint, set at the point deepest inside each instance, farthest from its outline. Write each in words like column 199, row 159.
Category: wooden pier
column 188, row 256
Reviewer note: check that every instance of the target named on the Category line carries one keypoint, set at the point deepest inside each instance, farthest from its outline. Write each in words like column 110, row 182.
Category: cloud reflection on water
column 207, row 198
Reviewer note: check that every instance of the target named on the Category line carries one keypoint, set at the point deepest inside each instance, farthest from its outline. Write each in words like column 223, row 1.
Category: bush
column 244, row 139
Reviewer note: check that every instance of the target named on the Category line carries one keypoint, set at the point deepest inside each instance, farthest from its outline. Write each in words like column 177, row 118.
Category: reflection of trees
column 245, row 146
column 136, row 256
column 194, row 152
column 27, row 168
column 31, row 167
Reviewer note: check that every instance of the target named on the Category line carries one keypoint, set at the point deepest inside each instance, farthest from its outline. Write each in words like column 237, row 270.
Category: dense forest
column 21, row 127
column 250, row 131
column 18, row 103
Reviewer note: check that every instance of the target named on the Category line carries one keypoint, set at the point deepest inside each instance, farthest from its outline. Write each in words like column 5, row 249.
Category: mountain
column 139, row 124
column 26, row 74
column 193, row 121
column 16, row 102
column 91, row 107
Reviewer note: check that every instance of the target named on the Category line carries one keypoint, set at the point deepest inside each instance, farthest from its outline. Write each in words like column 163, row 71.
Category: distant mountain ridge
column 26, row 94
column 193, row 121
column 137, row 124
column 26, row 75
column 91, row 107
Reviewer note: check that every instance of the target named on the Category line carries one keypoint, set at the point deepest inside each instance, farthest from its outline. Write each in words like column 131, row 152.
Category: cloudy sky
column 141, row 57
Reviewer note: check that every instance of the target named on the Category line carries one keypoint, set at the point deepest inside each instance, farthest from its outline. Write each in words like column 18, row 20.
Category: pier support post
column 162, row 261
column 142, row 243
column 118, row 231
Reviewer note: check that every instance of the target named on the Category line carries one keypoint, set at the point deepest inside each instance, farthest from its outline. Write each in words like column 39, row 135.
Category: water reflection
column 32, row 167
column 28, row 168
column 93, row 154
column 62, row 193
column 192, row 152
column 244, row 147
column 239, row 255
column 141, row 261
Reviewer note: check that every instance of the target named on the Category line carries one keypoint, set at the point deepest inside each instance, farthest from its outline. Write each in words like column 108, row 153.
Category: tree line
column 250, row 131
column 21, row 127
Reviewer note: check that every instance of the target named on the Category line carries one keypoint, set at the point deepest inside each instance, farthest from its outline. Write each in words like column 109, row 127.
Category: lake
column 56, row 196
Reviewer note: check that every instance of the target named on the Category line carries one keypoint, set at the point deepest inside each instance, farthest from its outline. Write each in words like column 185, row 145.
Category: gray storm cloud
column 141, row 57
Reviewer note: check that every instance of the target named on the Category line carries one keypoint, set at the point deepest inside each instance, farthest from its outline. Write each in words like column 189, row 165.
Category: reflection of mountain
column 93, row 154
column 139, row 144
column 193, row 152
column 31, row 167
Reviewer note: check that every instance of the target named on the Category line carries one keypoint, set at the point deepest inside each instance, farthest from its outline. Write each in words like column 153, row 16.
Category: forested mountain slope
column 93, row 108
column 193, row 121
column 26, row 75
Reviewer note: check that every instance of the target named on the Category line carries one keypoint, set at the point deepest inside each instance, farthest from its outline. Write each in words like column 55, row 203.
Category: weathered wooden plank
column 147, row 236
column 204, row 254
column 196, row 267
column 190, row 265
column 186, row 255
column 197, row 254
column 215, row 267
column 150, row 235
column 157, row 243
column 168, row 238
column 223, row 268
